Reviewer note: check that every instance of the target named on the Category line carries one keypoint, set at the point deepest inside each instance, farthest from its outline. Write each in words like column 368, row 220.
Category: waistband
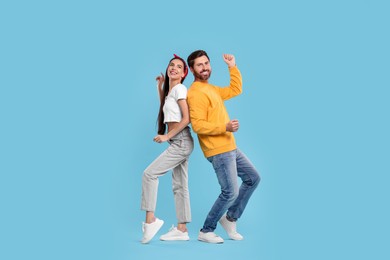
column 186, row 132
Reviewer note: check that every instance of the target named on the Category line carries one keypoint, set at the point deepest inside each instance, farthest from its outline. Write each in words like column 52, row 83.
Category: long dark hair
column 160, row 118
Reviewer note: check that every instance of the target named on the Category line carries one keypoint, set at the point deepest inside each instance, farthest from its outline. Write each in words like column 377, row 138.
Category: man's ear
column 192, row 70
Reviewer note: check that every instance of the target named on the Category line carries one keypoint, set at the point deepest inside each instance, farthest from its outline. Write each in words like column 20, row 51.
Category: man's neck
column 201, row 81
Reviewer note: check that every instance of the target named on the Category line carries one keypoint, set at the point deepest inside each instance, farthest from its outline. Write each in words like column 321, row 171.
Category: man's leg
column 226, row 169
column 250, row 180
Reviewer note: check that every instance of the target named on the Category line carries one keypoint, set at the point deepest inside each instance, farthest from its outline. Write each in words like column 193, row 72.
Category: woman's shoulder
column 179, row 91
column 180, row 86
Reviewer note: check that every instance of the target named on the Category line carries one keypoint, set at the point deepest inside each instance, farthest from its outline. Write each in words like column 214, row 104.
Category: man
column 211, row 122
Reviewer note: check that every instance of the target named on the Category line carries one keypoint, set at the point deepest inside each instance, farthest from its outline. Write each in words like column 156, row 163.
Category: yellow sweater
column 209, row 116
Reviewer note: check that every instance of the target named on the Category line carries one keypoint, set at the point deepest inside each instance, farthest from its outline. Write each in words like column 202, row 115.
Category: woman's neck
column 173, row 83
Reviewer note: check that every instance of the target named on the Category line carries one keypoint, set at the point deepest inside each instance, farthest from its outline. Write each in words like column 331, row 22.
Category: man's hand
column 232, row 126
column 229, row 59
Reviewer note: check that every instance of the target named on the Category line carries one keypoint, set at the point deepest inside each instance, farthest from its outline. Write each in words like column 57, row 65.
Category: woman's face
column 175, row 69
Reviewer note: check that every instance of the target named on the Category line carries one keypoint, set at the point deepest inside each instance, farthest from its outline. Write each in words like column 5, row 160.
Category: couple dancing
column 204, row 108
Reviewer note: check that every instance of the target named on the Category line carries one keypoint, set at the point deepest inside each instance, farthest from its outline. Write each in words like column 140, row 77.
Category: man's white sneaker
column 230, row 228
column 210, row 237
column 150, row 230
column 175, row 234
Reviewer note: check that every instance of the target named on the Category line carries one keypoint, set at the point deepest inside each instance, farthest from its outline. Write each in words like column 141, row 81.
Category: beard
column 202, row 77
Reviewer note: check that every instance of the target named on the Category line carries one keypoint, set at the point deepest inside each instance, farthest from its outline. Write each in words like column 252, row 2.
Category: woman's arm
column 185, row 120
column 160, row 81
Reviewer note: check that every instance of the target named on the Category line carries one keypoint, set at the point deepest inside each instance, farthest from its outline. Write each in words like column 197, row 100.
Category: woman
column 174, row 114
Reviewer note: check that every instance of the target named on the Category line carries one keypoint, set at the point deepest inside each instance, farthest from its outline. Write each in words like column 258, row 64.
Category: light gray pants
column 175, row 158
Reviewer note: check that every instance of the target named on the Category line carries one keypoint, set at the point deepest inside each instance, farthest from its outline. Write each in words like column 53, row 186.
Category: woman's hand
column 160, row 83
column 160, row 138
column 160, row 80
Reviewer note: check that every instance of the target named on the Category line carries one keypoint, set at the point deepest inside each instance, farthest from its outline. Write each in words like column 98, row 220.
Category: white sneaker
column 230, row 228
column 175, row 234
column 210, row 237
column 150, row 230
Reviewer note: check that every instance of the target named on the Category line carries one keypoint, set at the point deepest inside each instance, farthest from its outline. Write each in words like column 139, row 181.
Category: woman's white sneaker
column 175, row 234
column 150, row 230
column 210, row 237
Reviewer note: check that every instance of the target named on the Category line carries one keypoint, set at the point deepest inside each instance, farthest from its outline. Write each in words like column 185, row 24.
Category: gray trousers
column 174, row 158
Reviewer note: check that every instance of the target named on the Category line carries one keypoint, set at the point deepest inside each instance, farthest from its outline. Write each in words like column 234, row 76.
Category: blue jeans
column 232, row 199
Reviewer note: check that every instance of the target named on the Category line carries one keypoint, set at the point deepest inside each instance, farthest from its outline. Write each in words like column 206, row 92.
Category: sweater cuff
column 222, row 128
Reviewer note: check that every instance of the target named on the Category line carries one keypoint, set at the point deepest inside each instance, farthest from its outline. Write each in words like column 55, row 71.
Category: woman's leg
column 161, row 165
column 176, row 154
column 181, row 195
column 150, row 217
column 169, row 159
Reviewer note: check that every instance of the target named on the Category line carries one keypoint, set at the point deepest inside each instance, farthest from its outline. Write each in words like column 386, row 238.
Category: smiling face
column 201, row 69
column 175, row 69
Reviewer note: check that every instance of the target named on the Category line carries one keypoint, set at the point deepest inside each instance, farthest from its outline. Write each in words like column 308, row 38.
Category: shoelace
column 172, row 228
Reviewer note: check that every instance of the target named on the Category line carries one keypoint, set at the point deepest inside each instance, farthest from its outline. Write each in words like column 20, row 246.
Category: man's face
column 201, row 69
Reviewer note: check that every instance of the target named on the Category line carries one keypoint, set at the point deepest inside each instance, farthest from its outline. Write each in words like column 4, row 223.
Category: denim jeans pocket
column 216, row 161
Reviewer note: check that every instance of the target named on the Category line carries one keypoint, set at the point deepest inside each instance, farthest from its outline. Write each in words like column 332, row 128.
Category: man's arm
column 198, row 115
column 235, row 86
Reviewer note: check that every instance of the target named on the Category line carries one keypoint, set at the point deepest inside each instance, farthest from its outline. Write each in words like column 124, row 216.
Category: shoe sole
column 237, row 239
column 211, row 242
column 175, row 239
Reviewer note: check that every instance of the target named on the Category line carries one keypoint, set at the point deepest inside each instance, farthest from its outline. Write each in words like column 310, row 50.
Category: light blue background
column 78, row 107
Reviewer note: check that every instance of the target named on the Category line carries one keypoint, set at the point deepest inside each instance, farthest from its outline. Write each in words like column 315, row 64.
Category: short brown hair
column 194, row 55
